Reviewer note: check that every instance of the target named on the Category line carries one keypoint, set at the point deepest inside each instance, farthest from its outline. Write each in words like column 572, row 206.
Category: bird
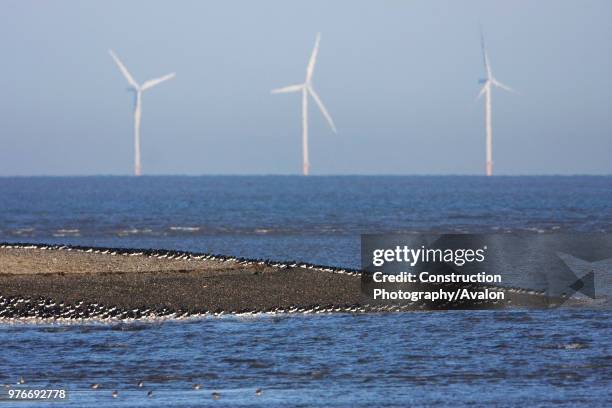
column 115, row 394
column 150, row 394
column 216, row 395
column 95, row 386
column 258, row 392
column 140, row 384
column 196, row 386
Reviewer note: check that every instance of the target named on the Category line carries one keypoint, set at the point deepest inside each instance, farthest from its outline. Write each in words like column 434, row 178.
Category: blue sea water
column 558, row 357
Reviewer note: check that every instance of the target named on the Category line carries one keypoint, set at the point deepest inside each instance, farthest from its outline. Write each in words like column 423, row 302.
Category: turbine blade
column 313, row 58
column 483, row 90
column 502, row 86
column 488, row 66
column 123, row 69
column 485, row 56
column 315, row 96
column 287, row 89
column 154, row 82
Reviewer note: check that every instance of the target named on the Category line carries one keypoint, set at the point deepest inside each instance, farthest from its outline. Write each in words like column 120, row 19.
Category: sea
column 511, row 358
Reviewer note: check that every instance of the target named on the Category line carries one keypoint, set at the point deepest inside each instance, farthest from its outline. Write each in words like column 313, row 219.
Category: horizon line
column 129, row 175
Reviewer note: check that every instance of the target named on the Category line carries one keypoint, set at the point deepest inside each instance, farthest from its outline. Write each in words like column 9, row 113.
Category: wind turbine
column 307, row 89
column 138, row 90
column 488, row 82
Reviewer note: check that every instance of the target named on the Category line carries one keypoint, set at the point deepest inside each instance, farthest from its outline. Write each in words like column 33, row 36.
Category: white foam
column 186, row 229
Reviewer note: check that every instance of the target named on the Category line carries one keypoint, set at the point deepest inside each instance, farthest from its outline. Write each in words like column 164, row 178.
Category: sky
column 400, row 79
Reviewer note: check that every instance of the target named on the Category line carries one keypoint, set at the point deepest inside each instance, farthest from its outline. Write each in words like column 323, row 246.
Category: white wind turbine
column 306, row 89
column 488, row 82
column 138, row 90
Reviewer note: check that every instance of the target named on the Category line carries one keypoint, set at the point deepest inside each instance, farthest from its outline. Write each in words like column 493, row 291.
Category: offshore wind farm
column 372, row 84
column 307, row 90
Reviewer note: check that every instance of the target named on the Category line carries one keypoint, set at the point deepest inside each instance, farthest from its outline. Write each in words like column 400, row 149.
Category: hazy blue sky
column 399, row 78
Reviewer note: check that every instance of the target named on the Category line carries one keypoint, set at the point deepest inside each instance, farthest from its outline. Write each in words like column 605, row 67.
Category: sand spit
column 98, row 282
column 51, row 282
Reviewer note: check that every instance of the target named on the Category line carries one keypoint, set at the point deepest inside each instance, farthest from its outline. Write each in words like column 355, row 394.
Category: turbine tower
column 138, row 90
column 307, row 89
column 488, row 82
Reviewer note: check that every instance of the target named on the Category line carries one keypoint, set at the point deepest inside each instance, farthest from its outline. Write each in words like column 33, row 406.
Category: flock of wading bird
column 306, row 89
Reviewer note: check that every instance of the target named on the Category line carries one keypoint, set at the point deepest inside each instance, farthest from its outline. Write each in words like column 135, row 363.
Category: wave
column 87, row 230
column 23, row 231
column 73, row 232
column 133, row 231
column 185, row 229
